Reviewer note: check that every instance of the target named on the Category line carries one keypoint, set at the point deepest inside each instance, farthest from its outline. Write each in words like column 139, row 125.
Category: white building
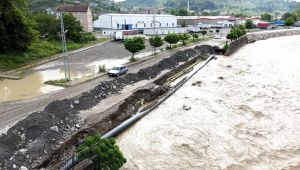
column 108, row 23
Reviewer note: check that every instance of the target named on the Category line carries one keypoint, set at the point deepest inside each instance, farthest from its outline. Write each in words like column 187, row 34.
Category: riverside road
column 12, row 112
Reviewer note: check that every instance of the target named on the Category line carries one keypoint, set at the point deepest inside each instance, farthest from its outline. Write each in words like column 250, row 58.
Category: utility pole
column 154, row 31
column 64, row 47
column 154, row 23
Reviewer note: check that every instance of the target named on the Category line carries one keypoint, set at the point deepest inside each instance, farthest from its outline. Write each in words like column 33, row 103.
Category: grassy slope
column 38, row 50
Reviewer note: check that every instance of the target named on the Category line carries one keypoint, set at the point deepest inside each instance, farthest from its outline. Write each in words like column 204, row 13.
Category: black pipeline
column 129, row 122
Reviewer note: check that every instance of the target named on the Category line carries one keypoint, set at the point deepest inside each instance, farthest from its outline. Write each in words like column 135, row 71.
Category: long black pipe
column 129, row 122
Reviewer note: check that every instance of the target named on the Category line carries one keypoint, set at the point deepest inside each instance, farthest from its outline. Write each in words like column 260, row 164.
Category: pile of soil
column 31, row 140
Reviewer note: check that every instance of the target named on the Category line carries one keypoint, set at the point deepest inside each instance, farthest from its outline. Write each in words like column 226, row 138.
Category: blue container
column 279, row 23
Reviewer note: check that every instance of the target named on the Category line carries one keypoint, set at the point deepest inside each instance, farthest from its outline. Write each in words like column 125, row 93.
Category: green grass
column 39, row 50
column 61, row 82
column 133, row 59
column 189, row 41
column 102, row 68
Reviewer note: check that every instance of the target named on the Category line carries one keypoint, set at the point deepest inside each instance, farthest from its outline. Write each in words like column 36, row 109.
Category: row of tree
column 137, row 44
column 289, row 17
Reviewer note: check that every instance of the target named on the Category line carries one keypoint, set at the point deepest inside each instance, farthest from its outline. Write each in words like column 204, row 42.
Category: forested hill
column 42, row 4
column 222, row 5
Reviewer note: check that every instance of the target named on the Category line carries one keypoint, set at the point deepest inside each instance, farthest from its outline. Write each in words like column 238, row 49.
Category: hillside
column 234, row 6
column 98, row 5
column 198, row 6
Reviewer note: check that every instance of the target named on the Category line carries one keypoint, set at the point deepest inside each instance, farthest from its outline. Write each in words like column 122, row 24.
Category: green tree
column 231, row 36
column 73, row 28
column 47, row 25
column 156, row 41
column 266, row 17
column 184, row 37
column 290, row 21
column 134, row 45
column 211, row 31
column 171, row 39
column 195, row 36
column 236, row 32
column 182, row 12
column 287, row 15
column 173, row 12
column 249, row 24
column 217, row 31
column 242, row 30
column 203, row 32
column 107, row 153
column 16, row 33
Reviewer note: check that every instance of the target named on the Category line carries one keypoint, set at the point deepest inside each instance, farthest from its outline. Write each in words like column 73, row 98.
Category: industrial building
column 163, row 24
column 195, row 21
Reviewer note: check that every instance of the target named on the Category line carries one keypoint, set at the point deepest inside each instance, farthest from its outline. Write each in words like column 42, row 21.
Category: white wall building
column 107, row 23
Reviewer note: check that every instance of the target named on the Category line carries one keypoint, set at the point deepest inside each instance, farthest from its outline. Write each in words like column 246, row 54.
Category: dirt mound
column 31, row 140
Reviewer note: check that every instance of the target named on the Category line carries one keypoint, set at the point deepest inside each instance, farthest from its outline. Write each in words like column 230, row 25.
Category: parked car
column 117, row 71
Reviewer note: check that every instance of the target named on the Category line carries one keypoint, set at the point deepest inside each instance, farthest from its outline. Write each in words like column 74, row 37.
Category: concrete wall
column 235, row 45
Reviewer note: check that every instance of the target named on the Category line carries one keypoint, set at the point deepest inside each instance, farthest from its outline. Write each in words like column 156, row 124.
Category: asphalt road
column 82, row 65
column 11, row 112
column 108, row 50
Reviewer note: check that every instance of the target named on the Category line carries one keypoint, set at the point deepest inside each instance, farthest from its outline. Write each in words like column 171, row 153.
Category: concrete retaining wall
column 235, row 45
column 250, row 38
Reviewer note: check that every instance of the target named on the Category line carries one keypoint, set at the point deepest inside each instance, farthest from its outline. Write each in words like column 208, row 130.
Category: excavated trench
column 44, row 138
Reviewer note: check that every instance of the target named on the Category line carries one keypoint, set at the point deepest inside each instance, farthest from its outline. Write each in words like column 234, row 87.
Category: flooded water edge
column 245, row 114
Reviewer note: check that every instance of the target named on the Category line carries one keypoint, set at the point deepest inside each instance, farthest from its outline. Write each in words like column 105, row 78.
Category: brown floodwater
column 32, row 85
column 245, row 114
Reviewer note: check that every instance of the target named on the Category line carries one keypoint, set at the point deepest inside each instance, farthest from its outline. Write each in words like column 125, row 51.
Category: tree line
column 19, row 29
column 137, row 44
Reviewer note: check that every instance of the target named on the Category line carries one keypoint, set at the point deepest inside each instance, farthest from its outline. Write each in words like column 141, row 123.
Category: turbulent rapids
column 240, row 112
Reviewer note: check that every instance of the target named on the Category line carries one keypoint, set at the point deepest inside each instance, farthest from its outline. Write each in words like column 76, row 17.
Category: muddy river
column 244, row 114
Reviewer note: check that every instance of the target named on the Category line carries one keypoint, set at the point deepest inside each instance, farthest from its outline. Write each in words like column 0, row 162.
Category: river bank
column 257, row 36
column 244, row 113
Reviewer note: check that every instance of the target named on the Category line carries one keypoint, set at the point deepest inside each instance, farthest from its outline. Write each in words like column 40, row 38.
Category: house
column 81, row 12
column 50, row 11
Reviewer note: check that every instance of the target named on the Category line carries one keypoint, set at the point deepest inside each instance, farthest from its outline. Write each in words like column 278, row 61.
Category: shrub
column 102, row 68
column 88, row 36
column 107, row 153
column 225, row 46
